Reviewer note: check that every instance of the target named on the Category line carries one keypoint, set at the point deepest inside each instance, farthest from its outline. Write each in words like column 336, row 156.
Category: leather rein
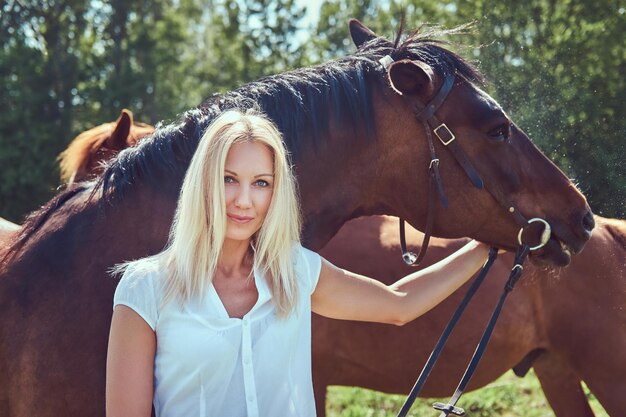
column 426, row 115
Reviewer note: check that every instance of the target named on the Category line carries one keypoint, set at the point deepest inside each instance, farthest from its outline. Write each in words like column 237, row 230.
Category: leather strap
column 516, row 272
column 450, row 407
column 432, row 359
column 426, row 114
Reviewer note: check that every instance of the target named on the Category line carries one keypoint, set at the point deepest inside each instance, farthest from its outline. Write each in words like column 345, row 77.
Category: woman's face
column 249, row 185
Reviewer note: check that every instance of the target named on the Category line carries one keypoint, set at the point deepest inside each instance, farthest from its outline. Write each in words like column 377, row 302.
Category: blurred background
column 557, row 67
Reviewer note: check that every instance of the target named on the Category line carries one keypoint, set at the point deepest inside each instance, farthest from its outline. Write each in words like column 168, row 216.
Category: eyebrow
column 256, row 176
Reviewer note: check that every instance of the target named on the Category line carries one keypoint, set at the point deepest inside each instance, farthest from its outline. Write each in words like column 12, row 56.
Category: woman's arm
column 130, row 365
column 344, row 295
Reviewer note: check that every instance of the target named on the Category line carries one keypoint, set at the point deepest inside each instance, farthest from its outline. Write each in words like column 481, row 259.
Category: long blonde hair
column 199, row 226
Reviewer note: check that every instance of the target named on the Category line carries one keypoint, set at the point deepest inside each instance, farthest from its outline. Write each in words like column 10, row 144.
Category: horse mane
column 81, row 147
column 429, row 46
column 35, row 220
column 296, row 101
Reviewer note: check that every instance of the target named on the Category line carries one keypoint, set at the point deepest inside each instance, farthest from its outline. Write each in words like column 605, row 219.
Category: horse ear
column 360, row 33
column 410, row 77
column 119, row 137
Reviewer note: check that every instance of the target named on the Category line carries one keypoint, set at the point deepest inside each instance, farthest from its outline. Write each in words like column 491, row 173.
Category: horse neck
column 87, row 237
column 336, row 183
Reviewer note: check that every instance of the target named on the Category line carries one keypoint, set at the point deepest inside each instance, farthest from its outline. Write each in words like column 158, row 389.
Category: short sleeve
column 137, row 290
column 308, row 266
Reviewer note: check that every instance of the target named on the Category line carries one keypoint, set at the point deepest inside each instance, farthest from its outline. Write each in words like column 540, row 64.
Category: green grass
column 509, row 396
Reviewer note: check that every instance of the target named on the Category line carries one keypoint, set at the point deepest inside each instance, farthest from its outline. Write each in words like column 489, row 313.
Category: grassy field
column 509, row 396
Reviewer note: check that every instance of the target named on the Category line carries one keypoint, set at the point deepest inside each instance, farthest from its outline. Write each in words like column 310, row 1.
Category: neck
column 234, row 257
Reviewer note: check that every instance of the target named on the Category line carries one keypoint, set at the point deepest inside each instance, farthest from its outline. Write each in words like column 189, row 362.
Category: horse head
column 86, row 155
column 492, row 176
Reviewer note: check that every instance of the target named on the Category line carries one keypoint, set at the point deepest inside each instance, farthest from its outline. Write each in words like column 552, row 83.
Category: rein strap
column 450, row 407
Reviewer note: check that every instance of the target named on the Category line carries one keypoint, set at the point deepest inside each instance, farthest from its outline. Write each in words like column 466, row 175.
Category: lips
column 239, row 219
column 558, row 250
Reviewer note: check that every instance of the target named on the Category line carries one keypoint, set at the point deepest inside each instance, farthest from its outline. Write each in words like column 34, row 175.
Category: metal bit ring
column 545, row 235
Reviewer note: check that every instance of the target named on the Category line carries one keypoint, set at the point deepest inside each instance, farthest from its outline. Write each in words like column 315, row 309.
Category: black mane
column 299, row 102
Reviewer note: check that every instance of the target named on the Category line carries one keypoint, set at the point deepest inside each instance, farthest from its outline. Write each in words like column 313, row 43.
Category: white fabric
column 210, row 365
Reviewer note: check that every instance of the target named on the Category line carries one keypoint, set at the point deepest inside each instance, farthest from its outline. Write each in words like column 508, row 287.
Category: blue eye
column 229, row 179
column 262, row 183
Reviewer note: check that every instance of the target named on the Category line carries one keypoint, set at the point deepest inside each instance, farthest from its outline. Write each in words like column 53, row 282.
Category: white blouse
column 209, row 364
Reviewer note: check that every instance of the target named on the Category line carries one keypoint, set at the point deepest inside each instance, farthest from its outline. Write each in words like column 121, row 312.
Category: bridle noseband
column 426, row 115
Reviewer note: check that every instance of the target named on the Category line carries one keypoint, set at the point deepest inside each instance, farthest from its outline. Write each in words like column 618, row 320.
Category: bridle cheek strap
column 426, row 115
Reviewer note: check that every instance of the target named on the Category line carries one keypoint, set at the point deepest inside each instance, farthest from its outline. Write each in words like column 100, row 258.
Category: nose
column 243, row 200
column 588, row 223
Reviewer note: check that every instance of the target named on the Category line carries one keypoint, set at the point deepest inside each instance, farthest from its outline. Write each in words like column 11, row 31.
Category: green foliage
column 247, row 39
column 69, row 65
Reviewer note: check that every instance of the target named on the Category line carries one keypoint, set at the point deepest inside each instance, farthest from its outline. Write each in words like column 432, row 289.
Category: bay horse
column 357, row 149
column 569, row 323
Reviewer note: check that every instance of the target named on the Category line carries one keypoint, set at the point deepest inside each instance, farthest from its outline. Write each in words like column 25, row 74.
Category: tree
column 69, row 65
column 39, row 45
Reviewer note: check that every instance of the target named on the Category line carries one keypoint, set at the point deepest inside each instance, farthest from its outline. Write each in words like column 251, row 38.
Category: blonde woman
column 219, row 323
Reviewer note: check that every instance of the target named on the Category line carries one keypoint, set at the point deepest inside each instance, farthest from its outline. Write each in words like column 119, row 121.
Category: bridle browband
column 426, row 115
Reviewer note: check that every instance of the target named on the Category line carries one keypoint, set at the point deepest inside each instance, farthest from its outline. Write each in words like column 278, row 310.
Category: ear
column 411, row 77
column 119, row 137
column 360, row 33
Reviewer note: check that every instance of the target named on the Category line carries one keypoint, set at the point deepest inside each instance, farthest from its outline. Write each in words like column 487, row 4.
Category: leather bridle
column 426, row 115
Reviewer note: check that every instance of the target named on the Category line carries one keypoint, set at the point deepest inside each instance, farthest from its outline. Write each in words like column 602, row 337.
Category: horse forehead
column 481, row 103
column 490, row 101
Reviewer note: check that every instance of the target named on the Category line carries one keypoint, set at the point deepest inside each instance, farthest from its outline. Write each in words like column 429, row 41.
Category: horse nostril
column 588, row 222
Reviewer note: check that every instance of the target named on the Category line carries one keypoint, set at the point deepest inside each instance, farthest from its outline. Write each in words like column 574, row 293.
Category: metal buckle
column 449, row 409
column 545, row 235
column 386, row 61
column 450, row 138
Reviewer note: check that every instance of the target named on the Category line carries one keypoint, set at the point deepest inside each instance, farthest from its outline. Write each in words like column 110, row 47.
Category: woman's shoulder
column 143, row 278
column 144, row 272
column 140, row 288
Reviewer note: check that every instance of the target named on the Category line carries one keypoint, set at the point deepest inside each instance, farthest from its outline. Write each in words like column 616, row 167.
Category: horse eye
column 500, row 133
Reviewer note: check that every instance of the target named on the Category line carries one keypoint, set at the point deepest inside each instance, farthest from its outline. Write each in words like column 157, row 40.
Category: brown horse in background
column 356, row 147
column 568, row 323
column 84, row 157
column 7, row 230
